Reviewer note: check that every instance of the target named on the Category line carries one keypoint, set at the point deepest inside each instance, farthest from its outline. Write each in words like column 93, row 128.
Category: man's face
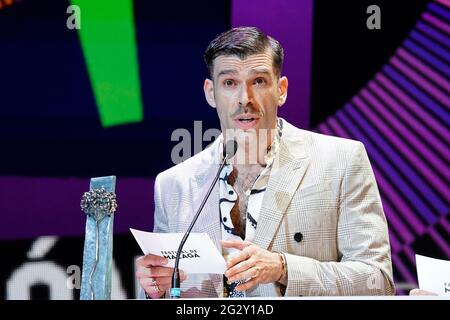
column 246, row 93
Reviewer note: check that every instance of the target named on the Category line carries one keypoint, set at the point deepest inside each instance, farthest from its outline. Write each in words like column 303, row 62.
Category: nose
column 245, row 96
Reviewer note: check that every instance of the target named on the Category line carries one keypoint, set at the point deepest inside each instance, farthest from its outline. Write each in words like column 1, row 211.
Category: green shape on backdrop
column 108, row 40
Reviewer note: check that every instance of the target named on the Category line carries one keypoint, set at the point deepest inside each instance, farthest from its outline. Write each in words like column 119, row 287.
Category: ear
column 282, row 90
column 208, row 88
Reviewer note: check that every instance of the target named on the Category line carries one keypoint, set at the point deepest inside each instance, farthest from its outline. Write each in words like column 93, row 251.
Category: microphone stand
column 175, row 291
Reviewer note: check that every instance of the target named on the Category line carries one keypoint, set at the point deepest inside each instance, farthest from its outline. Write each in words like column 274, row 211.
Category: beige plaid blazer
column 320, row 186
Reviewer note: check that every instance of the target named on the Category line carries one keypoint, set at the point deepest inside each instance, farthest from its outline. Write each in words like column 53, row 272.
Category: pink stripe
column 444, row 2
column 397, row 224
column 395, row 244
column 403, row 271
column 413, row 159
column 324, row 129
column 401, row 206
column 421, row 114
column 430, row 89
column 445, row 224
column 412, row 136
column 332, row 122
column 410, row 254
column 417, row 128
column 440, row 242
column 438, row 23
column 413, row 123
column 444, row 83
column 389, row 191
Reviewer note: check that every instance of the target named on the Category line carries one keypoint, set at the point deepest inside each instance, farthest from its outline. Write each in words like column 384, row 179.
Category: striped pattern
column 402, row 117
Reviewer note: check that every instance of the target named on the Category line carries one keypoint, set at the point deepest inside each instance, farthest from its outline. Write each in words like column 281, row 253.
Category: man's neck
column 254, row 153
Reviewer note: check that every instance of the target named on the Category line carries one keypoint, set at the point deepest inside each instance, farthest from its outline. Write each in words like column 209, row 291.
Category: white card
column 433, row 274
column 199, row 254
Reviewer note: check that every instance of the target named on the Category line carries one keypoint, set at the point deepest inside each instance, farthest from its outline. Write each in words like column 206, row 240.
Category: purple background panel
column 291, row 23
column 51, row 206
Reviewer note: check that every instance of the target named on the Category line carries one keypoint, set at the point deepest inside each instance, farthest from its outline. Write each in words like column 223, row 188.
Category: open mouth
column 246, row 119
column 246, row 122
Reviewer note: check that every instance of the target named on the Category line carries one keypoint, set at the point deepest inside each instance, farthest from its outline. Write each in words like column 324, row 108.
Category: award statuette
column 99, row 204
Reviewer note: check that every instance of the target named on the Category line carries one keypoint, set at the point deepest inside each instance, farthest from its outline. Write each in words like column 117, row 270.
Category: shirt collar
column 272, row 150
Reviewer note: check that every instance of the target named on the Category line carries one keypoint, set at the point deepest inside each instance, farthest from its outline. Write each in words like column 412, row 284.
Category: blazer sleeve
column 365, row 266
column 160, row 223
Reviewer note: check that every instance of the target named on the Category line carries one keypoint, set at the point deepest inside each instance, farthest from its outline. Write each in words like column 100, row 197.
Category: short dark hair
column 242, row 42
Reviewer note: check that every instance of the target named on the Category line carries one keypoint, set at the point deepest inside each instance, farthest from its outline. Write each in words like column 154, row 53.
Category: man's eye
column 260, row 81
column 228, row 83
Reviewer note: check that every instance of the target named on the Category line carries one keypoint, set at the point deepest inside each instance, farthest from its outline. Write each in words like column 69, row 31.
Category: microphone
column 229, row 151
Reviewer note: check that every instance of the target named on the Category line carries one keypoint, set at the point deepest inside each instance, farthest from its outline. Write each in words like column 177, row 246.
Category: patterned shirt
column 229, row 197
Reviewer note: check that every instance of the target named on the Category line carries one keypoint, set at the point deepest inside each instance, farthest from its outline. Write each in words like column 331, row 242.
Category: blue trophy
column 99, row 204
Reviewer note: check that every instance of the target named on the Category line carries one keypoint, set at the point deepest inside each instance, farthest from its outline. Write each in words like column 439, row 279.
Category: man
column 306, row 204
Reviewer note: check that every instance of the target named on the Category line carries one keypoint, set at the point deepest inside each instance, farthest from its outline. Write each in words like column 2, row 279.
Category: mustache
column 250, row 111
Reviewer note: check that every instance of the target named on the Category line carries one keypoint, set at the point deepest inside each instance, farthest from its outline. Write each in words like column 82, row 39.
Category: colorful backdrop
column 105, row 99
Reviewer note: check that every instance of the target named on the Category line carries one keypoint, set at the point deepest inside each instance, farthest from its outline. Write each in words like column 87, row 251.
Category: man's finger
column 164, row 281
column 242, row 255
column 151, row 260
column 419, row 292
column 146, row 282
column 143, row 272
column 160, row 281
column 235, row 244
column 164, row 272
column 247, row 285
column 156, row 272
column 155, row 291
column 240, row 267
column 247, row 274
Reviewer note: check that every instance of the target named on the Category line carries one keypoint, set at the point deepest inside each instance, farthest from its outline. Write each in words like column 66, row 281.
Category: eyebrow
column 260, row 70
column 226, row 72
column 252, row 71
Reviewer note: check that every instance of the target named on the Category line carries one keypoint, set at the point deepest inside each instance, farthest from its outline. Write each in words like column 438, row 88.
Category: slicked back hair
column 243, row 42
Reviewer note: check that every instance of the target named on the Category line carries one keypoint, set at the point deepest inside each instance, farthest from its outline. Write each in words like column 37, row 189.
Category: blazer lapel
column 209, row 219
column 287, row 172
